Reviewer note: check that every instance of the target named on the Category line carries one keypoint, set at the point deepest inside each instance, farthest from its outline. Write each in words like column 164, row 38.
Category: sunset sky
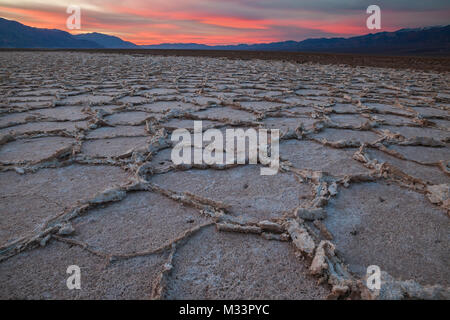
column 226, row 21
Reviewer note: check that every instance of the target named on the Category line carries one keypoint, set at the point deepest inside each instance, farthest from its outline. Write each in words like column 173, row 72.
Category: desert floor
column 87, row 179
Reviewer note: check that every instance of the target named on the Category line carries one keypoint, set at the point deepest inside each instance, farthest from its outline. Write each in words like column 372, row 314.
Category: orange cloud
column 36, row 18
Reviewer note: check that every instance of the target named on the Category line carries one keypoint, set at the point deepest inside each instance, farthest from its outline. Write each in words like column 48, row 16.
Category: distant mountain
column 185, row 46
column 16, row 35
column 418, row 41
column 107, row 41
column 430, row 40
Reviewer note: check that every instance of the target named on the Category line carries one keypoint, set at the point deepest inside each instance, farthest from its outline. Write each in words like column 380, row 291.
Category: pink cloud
column 215, row 22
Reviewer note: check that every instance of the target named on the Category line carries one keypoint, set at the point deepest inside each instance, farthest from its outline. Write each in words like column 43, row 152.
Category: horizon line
column 220, row 45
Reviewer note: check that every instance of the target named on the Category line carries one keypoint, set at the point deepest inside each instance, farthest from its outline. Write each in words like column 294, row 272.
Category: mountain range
column 419, row 41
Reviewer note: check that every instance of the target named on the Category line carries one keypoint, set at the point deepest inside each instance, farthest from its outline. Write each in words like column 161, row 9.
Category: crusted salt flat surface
column 87, row 179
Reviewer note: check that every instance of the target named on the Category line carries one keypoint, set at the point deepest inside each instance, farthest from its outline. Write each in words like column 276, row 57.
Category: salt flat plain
column 87, row 179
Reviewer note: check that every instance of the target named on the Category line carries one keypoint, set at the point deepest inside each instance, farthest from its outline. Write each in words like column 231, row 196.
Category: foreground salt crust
column 87, row 179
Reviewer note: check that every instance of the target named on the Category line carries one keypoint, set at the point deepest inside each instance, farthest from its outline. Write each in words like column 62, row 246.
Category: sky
column 217, row 22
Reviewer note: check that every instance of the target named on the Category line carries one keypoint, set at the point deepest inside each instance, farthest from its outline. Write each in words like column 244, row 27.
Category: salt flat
column 86, row 179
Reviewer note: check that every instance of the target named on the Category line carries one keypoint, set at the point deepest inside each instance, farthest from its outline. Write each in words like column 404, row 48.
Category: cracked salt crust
column 86, row 179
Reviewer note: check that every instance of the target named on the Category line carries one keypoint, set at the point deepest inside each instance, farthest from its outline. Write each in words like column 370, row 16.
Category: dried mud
column 86, row 179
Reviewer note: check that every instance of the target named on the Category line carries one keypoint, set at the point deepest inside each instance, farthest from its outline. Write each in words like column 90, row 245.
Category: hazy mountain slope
column 434, row 40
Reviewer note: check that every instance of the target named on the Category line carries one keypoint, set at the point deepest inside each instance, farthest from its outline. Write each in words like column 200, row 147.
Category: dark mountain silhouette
column 16, row 35
column 420, row 41
column 107, row 41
